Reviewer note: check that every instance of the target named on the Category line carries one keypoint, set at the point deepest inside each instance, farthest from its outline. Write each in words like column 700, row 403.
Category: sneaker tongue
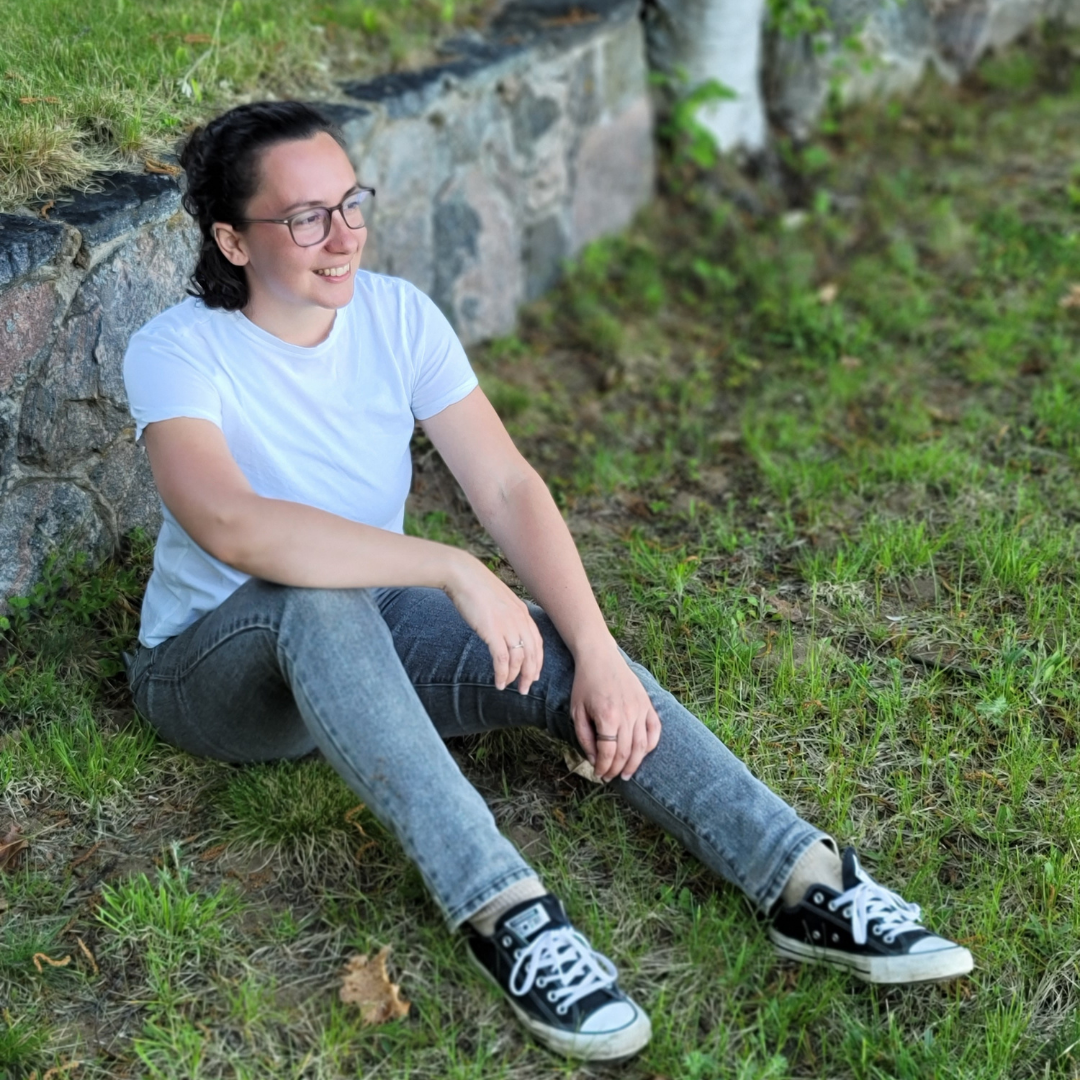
column 853, row 873
column 527, row 920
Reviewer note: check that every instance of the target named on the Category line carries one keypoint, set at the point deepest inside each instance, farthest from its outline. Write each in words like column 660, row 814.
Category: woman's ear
column 230, row 243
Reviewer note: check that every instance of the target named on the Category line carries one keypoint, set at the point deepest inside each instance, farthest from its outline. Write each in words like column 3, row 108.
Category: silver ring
column 607, row 738
column 519, row 645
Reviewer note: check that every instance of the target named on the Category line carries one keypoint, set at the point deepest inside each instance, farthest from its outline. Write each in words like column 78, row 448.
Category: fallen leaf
column 783, row 609
column 364, row 982
column 39, row 956
column 213, row 853
column 580, row 766
column 850, row 363
column 1071, row 299
column 161, row 168
column 44, row 211
column 827, row 293
column 11, row 847
column 198, row 39
column 37, row 100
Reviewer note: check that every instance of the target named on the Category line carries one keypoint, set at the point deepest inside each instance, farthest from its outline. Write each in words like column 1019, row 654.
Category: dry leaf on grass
column 580, row 766
column 364, row 982
column 1072, row 298
column 827, row 293
column 39, row 100
column 11, row 847
column 783, row 609
column 161, row 168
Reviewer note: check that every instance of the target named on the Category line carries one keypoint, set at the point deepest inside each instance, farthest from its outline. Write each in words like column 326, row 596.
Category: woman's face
column 282, row 276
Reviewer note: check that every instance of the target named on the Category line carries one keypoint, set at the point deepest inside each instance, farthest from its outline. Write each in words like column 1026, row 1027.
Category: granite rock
column 27, row 320
column 40, row 517
column 122, row 203
column 76, row 403
column 26, row 244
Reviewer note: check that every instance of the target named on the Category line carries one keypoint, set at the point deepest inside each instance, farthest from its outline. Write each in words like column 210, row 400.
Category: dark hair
column 221, row 174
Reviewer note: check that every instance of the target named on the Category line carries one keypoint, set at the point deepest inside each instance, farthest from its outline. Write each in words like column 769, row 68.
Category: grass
column 108, row 84
column 816, row 438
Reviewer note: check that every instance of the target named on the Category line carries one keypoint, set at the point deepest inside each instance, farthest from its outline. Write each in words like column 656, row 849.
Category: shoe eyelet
column 517, row 953
column 836, row 937
column 541, row 982
column 847, row 913
column 507, row 942
column 818, row 898
column 551, row 996
column 560, row 1009
column 876, row 930
column 831, row 905
column 889, row 939
column 816, row 934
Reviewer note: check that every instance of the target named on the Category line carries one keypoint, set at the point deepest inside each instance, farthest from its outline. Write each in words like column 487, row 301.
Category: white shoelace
column 562, row 958
column 868, row 900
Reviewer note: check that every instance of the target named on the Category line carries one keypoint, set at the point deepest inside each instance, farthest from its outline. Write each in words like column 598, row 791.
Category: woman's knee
column 330, row 609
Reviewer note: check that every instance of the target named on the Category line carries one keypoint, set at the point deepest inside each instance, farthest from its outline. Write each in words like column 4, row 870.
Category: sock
column 819, row 864
column 484, row 920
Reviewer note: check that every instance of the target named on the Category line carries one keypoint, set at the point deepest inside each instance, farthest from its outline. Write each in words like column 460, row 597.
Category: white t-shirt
column 328, row 426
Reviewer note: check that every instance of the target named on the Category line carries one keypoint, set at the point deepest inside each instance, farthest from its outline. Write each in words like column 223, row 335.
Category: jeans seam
column 737, row 872
column 251, row 623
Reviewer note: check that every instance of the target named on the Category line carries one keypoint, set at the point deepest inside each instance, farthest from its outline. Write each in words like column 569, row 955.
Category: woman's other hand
column 609, row 700
column 501, row 619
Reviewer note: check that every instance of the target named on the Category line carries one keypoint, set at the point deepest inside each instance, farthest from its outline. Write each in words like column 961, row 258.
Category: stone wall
column 898, row 40
column 491, row 168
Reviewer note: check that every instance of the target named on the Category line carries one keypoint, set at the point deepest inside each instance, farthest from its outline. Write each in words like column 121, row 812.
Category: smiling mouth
column 335, row 272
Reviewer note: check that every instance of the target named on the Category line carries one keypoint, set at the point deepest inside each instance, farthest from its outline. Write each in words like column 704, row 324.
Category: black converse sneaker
column 562, row 990
column 867, row 930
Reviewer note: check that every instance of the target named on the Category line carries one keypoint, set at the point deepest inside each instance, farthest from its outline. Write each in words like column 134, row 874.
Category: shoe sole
column 937, row 966
column 618, row 1045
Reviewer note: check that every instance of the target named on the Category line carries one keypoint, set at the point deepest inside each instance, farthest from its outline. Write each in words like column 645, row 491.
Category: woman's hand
column 500, row 618
column 609, row 700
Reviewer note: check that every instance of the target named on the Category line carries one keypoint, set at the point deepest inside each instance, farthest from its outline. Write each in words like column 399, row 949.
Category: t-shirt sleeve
column 163, row 384
column 442, row 373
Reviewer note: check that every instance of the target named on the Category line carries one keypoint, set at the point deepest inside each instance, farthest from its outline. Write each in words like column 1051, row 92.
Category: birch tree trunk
column 701, row 40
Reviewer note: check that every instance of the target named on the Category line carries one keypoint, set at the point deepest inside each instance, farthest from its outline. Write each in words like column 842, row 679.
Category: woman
column 288, row 612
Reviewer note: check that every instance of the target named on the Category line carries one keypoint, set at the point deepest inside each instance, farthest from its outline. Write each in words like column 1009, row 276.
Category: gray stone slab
column 411, row 93
column 27, row 316
column 38, row 518
column 26, row 243
column 126, row 201
column 75, row 404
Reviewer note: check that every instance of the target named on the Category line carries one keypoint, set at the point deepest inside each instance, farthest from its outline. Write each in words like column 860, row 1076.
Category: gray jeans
column 377, row 678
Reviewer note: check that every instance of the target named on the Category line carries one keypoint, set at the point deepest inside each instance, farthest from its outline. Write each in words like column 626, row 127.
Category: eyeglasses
column 312, row 226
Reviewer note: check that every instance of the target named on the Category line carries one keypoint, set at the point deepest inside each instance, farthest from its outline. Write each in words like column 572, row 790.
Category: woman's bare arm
column 293, row 544
column 514, row 505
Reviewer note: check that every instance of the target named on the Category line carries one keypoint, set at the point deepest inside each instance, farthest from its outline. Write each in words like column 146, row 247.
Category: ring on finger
column 519, row 645
column 607, row 738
